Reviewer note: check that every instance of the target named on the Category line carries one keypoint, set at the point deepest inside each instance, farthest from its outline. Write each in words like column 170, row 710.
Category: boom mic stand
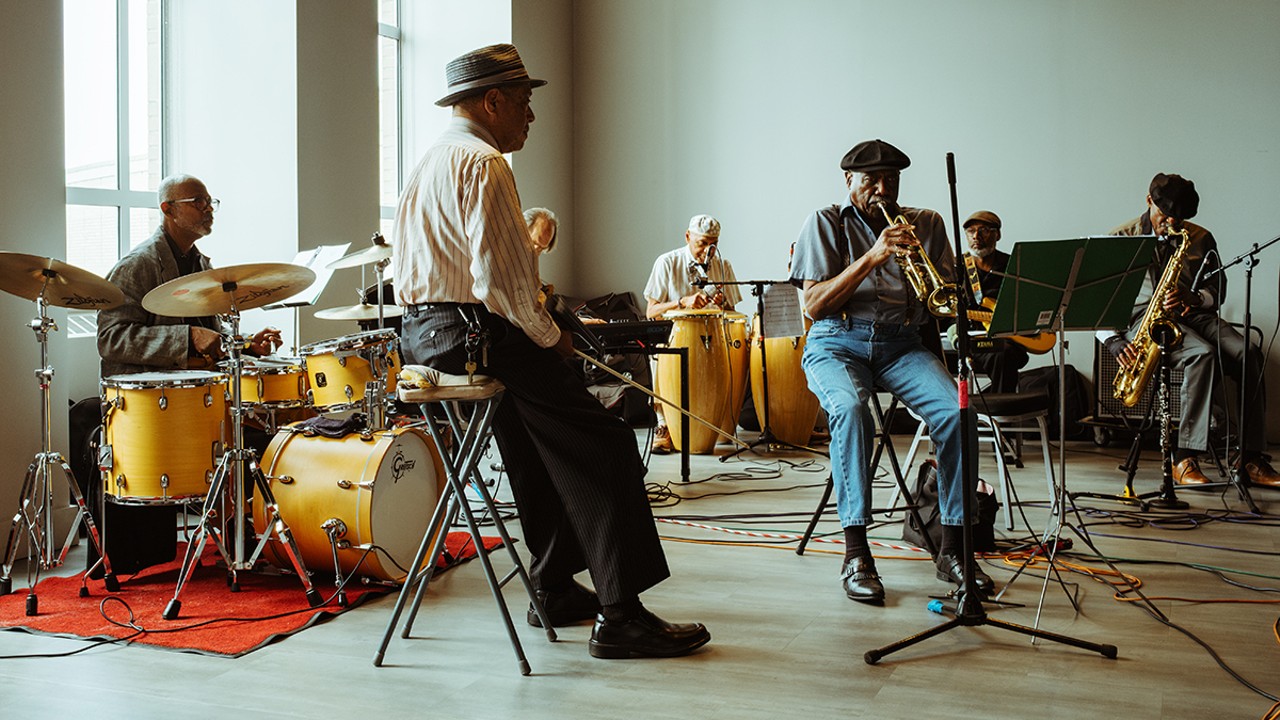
column 1240, row 478
column 767, row 438
column 969, row 610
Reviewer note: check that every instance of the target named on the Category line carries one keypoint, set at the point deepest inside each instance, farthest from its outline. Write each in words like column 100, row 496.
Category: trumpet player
column 866, row 335
column 1172, row 200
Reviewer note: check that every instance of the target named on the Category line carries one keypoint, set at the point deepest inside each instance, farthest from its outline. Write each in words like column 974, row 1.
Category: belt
column 412, row 310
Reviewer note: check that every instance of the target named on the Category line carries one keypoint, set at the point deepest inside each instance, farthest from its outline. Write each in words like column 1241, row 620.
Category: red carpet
column 213, row 621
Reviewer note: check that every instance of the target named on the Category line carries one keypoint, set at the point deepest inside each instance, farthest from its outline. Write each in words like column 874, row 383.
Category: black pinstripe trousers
column 575, row 470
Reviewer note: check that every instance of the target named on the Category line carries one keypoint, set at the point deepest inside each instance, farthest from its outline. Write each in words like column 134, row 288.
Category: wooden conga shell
column 793, row 408
column 738, row 338
column 702, row 332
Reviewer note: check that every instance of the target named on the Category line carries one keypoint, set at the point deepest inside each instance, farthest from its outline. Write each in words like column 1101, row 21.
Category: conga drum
column 702, row 333
column 738, row 338
column 793, row 408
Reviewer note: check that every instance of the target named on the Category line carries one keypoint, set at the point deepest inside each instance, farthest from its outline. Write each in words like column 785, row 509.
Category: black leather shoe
column 645, row 635
column 860, row 580
column 951, row 569
column 569, row 607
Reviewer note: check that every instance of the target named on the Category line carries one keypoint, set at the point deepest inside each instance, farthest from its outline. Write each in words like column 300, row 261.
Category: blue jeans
column 844, row 361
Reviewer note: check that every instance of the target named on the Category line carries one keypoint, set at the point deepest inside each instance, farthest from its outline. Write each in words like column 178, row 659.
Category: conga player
column 690, row 277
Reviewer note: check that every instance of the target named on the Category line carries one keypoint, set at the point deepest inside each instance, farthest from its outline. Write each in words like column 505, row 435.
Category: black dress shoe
column 860, row 580
column 951, row 569
column 569, row 607
column 645, row 635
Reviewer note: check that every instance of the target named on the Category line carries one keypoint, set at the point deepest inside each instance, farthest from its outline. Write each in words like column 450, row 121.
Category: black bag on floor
column 925, row 493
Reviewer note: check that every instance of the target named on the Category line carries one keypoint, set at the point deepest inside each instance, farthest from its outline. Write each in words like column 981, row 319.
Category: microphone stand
column 969, row 611
column 1240, row 479
column 767, row 438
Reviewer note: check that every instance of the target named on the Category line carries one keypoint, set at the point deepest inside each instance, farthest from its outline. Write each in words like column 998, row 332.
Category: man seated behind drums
column 866, row 335
column 671, row 286
column 1206, row 339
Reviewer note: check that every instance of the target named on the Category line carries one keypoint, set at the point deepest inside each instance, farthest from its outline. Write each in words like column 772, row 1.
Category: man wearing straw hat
column 465, row 267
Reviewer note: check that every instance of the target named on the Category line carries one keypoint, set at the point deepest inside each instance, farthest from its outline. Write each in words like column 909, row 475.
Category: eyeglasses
column 201, row 203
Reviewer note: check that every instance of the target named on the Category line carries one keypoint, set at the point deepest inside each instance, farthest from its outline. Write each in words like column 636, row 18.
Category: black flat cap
column 874, row 155
column 1175, row 196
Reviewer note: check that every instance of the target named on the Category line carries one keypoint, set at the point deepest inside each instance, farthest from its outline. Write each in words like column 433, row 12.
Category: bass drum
column 380, row 494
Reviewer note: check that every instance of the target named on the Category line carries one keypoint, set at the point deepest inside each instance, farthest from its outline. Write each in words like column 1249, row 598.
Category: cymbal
column 372, row 254
column 63, row 285
column 211, row 292
column 361, row 311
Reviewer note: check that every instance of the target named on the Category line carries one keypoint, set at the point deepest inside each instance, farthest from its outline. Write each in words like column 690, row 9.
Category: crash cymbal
column 373, row 254
column 362, row 311
column 63, row 285
column 211, row 292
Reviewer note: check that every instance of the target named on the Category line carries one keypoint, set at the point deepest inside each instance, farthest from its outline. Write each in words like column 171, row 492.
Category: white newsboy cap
column 704, row 225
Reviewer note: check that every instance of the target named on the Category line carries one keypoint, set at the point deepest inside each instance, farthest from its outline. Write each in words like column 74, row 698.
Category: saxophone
column 1158, row 328
column 939, row 297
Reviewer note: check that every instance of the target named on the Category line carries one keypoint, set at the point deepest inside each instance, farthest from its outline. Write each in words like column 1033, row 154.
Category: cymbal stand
column 379, row 268
column 231, row 469
column 34, row 518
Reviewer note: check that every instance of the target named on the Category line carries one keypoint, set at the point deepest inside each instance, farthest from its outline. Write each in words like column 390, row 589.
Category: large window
column 114, row 121
column 388, row 109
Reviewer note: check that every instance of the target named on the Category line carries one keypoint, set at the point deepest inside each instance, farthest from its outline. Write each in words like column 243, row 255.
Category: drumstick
column 656, row 396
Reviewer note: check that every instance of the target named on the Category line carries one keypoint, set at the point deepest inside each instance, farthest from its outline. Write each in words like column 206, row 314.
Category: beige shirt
column 459, row 234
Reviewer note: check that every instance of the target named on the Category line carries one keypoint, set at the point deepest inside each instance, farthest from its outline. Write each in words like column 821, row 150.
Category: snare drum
column 338, row 369
column 164, row 433
column 273, row 383
column 378, row 493
column 702, row 332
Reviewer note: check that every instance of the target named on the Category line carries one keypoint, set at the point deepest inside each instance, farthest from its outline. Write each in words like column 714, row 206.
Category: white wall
column 32, row 222
column 1059, row 113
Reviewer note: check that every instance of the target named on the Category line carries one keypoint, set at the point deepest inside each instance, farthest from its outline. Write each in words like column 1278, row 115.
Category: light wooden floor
column 785, row 641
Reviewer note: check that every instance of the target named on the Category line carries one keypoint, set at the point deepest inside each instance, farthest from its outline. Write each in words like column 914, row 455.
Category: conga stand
column 231, row 469
column 34, row 518
column 767, row 438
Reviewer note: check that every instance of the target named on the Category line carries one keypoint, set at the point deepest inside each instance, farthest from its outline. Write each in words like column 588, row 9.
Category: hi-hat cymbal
column 217, row 291
column 362, row 311
column 373, row 254
column 63, row 285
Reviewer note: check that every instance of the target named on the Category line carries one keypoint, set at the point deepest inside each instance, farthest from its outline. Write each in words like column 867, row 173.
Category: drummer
column 132, row 340
column 691, row 277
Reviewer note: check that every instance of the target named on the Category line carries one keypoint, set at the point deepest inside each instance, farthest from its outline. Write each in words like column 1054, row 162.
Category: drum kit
column 177, row 437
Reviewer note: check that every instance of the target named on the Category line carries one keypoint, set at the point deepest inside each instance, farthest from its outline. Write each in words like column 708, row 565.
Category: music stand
column 1085, row 284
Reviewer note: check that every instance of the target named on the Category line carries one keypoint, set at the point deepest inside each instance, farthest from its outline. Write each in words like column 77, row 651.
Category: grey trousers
column 1210, row 349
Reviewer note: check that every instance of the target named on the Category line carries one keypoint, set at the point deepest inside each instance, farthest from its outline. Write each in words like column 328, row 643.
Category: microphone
column 1195, row 283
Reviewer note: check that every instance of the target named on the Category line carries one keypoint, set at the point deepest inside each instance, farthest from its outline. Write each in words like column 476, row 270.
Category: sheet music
column 782, row 316
column 317, row 260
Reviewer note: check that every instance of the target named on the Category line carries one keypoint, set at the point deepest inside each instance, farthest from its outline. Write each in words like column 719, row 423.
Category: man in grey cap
column 985, row 266
column 689, row 277
column 866, row 335
column 465, row 268
column 1209, row 345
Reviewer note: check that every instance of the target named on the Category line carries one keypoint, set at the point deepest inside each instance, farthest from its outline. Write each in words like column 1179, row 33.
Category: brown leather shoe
column 1187, row 472
column 1261, row 473
column 662, row 441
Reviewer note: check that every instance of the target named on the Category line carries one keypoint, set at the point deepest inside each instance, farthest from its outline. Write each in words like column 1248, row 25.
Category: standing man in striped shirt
column 465, row 269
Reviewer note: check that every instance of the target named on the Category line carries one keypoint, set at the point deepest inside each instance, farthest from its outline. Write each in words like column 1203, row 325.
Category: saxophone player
column 1172, row 201
column 866, row 333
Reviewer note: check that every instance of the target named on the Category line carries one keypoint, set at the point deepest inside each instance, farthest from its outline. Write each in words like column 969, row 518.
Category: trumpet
column 939, row 297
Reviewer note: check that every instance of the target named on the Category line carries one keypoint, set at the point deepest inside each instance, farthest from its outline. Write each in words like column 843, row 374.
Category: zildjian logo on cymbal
column 265, row 292
column 75, row 301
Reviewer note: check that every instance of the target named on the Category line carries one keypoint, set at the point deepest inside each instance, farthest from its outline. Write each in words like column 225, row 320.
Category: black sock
column 1184, row 454
column 855, row 542
column 622, row 611
column 952, row 540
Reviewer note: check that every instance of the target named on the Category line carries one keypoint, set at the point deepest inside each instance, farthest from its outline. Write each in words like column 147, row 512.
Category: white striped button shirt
column 459, row 234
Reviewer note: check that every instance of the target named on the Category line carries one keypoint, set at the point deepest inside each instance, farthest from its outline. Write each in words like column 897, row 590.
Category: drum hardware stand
column 336, row 530
column 969, row 611
column 35, row 503
column 767, row 438
column 231, row 468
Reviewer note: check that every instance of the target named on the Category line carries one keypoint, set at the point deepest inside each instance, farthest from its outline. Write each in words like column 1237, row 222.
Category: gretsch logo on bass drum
column 400, row 465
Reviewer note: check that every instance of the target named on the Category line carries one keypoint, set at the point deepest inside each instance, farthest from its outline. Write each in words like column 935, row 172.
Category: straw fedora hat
column 492, row 66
